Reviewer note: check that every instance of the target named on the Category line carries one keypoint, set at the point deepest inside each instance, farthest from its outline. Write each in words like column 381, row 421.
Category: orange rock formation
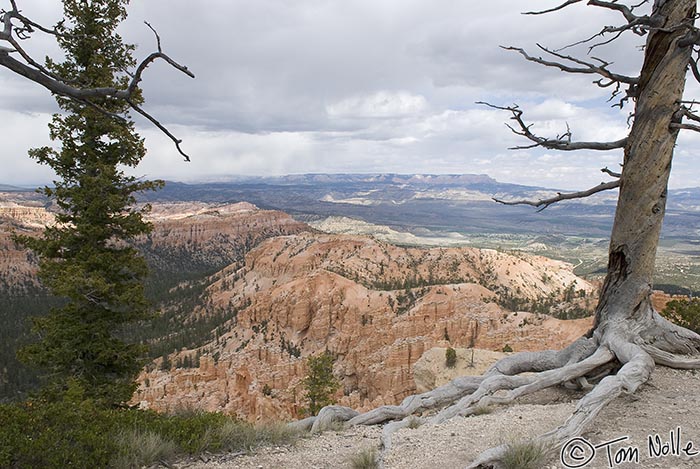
column 377, row 307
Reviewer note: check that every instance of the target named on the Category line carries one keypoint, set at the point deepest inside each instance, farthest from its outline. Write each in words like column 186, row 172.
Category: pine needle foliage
column 684, row 312
column 86, row 257
column 320, row 384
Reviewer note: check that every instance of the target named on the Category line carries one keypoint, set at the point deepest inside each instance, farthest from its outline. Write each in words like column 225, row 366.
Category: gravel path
column 669, row 401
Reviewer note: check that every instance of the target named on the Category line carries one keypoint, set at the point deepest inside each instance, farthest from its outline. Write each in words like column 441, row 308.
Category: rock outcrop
column 185, row 235
column 375, row 306
column 17, row 265
column 431, row 370
column 203, row 237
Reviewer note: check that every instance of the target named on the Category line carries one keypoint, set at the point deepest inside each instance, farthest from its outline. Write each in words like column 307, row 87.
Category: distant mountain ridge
column 442, row 203
column 386, row 178
column 442, row 208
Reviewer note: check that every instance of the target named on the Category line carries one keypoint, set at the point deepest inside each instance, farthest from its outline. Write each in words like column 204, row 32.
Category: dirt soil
column 668, row 404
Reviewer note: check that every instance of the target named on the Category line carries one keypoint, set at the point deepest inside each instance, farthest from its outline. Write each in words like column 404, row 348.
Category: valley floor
column 670, row 400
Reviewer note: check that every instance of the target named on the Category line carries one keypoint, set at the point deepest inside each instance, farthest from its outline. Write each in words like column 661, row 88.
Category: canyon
column 189, row 242
column 273, row 291
column 376, row 307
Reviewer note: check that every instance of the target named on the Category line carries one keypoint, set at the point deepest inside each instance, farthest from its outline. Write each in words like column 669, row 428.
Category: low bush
column 365, row 459
column 241, row 436
column 685, row 313
column 138, row 448
column 63, row 434
column 524, row 455
column 450, row 357
column 55, row 435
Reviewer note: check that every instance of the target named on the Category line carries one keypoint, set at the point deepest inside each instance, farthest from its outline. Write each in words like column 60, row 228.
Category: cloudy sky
column 362, row 86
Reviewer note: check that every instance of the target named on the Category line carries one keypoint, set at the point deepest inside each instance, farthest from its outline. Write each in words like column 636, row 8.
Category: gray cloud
column 319, row 85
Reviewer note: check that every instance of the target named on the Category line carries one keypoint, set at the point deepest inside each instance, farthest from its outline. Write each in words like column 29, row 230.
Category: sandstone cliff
column 377, row 307
column 17, row 265
column 194, row 236
column 186, row 236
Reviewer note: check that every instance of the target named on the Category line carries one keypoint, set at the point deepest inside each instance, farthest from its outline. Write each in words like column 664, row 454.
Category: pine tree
column 86, row 257
column 320, row 384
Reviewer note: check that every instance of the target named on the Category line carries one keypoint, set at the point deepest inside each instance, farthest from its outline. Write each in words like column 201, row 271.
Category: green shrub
column 48, row 435
column 241, row 436
column 138, row 448
column 55, row 435
column 524, row 455
column 365, row 459
column 320, row 384
column 450, row 357
column 685, row 313
column 191, row 432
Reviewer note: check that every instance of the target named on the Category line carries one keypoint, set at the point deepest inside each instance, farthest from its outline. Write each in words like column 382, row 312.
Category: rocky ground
column 670, row 400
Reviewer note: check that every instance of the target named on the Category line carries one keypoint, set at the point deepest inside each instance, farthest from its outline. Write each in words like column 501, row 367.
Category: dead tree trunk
column 647, row 166
column 628, row 338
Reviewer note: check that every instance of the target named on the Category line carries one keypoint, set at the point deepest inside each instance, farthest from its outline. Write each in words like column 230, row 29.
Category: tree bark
column 646, row 168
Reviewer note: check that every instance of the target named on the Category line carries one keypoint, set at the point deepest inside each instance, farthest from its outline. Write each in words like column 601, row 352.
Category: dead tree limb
column 626, row 11
column 561, row 142
column 544, row 203
column 32, row 70
column 611, row 173
column 587, row 68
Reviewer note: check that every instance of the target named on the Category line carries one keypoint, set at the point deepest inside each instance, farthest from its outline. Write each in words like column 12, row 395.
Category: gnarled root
column 587, row 361
column 638, row 362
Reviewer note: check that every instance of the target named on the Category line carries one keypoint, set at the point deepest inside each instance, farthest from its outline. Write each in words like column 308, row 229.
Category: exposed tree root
column 519, row 386
column 587, row 361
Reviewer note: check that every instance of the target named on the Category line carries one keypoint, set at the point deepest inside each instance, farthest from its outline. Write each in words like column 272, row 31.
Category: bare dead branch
column 613, row 5
column 611, row 173
column 561, row 142
column 23, row 32
column 693, row 63
column 638, row 24
column 34, row 71
column 156, row 33
column 136, row 78
column 626, row 11
column 162, row 128
column 692, row 37
column 550, row 10
column 685, row 112
column 544, row 203
column 684, row 126
column 606, row 30
column 586, row 67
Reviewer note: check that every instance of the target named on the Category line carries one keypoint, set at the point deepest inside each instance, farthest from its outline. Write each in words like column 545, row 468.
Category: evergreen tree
column 684, row 312
column 320, row 384
column 86, row 257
